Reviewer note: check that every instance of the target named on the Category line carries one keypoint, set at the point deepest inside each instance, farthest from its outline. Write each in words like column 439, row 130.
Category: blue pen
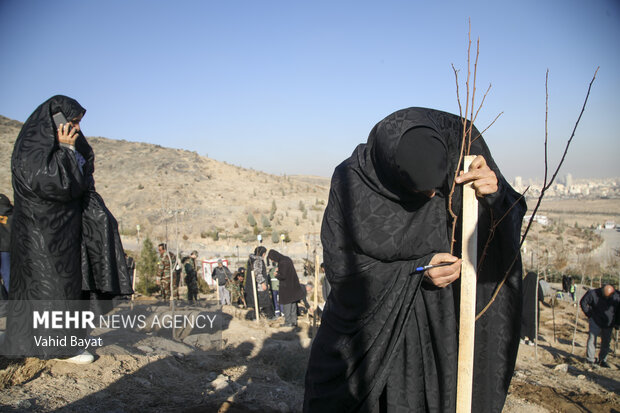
column 428, row 267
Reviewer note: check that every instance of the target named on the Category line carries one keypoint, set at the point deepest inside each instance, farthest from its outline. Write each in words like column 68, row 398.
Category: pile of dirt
column 259, row 367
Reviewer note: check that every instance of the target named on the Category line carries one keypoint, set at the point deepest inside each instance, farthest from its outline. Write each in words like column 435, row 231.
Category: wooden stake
column 171, row 281
column 572, row 349
column 465, row 373
column 255, row 294
column 316, row 293
column 536, row 308
column 554, row 301
column 133, row 284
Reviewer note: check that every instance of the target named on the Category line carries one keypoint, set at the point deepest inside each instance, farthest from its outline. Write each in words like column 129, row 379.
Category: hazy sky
column 292, row 87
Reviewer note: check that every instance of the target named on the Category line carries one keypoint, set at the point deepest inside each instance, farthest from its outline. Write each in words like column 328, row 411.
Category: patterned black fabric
column 65, row 243
column 388, row 341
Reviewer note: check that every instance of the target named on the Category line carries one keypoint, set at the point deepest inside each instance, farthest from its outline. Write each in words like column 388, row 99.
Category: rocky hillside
column 162, row 189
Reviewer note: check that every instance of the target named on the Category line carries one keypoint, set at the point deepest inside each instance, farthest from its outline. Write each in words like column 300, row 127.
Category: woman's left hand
column 483, row 179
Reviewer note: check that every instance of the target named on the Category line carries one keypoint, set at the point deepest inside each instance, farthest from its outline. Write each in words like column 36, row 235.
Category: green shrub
column 265, row 221
column 147, row 268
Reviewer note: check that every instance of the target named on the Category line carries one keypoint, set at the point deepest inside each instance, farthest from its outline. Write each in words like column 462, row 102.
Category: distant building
column 518, row 182
column 568, row 181
column 541, row 219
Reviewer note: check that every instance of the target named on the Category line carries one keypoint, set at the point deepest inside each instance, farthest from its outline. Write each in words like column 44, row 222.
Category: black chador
column 389, row 341
column 65, row 246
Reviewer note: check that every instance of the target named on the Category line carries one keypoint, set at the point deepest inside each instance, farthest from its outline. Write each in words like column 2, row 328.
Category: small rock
column 561, row 367
column 24, row 404
column 219, row 385
column 211, row 376
column 145, row 349
column 581, row 377
column 283, row 407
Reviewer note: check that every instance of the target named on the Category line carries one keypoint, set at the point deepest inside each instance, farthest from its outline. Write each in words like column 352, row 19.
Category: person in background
column 530, row 308
column 566, row 283
column 176, row 276
column 573, row 290
column 237, row 296
column 601, row 306
column 275, row 287
column 308, row 290
column 223, row 276
column 191, row 277
column 6, row 217
column 166, row 261
column 256, row 263
column 290, row 289
column 131, row 266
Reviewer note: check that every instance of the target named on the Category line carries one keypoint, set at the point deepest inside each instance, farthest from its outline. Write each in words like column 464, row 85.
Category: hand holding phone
column 66, row 133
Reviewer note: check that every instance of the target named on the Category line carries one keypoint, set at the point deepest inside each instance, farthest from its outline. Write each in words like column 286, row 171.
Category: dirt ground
column 261, row 367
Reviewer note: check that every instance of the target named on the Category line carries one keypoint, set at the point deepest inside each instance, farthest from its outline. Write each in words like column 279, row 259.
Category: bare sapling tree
column 468, row 124
column 468, row 120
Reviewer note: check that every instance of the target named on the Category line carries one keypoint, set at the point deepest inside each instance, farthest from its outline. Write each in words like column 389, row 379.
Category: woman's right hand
column 443, row 276
column 67, row 134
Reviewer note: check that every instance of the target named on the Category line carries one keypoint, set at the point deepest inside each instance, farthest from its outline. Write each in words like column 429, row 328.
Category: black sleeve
column 586, row 303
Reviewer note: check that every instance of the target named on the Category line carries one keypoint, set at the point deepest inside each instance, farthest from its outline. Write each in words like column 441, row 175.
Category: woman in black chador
column 388, row 339
column 290, row 290
column 65, row 244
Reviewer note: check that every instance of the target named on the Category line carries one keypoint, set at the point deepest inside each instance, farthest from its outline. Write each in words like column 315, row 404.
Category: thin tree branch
column 546, row 125
column 540, row 198
column 458, row 98
column 583, row 108
column 473, row 96
column 487, row 128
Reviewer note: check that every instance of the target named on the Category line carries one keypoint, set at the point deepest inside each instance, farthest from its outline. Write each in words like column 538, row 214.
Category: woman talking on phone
column 65, row 244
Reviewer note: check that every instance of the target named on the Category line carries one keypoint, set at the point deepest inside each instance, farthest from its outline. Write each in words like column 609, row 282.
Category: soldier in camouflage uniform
column 166, row 260
column 236, row 287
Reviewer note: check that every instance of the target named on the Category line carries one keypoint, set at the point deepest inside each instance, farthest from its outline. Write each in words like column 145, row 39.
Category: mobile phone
column 60, row 119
